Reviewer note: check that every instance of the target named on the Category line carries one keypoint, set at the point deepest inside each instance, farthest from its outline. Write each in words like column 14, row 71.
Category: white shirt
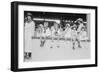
column 47, row 32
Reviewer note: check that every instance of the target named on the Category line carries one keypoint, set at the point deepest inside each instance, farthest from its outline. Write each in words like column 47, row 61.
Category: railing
column 55, row 38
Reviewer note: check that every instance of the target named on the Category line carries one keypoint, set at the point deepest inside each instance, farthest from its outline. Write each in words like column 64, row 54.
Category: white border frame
column 22, row 64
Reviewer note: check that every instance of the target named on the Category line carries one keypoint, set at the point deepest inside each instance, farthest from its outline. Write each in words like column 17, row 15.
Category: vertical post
column 88, row 26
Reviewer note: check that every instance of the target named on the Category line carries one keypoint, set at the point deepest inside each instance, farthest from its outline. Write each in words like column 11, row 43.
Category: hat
column 29, row 14
column 67, row 24
column 74, row 26
column 40, row 25
column 79, row 20
column 57, row 21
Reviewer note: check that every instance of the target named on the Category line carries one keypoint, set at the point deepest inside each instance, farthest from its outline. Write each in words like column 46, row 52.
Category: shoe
column 73, row 48
column 58, row 46
column 79, row 46
column 51, row 47
column 41, row 45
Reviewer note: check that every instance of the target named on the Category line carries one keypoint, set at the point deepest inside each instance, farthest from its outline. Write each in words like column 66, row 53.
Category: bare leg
column 79, row 44
column 58, row 38
column 42, row 41
column 52, row 40
column 73, row 41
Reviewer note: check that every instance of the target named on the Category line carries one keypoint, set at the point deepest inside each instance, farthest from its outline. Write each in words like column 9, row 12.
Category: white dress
column 60, row 32
column 29, row 32
column 67, row 33
column 74, row 35
column 83, row 35
column 53, row 31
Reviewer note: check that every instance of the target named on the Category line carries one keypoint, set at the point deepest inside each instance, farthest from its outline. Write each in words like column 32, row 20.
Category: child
column 39, row 30
column 59, row 35
column 54, row 32
column 67, row 31
column 83, row 34
column 75, row 36
column 45, row 33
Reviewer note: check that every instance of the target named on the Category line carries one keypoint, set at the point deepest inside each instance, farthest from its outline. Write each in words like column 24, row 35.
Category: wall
column 5, row 17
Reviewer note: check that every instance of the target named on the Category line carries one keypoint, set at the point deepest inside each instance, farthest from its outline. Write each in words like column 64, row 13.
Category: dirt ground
column 64, row 52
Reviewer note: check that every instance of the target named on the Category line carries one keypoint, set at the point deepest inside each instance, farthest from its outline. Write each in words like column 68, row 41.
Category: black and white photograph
column 50, row 36
column 53, row 36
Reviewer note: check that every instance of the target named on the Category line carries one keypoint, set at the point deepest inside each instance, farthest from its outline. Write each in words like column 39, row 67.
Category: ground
column 64, row 52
